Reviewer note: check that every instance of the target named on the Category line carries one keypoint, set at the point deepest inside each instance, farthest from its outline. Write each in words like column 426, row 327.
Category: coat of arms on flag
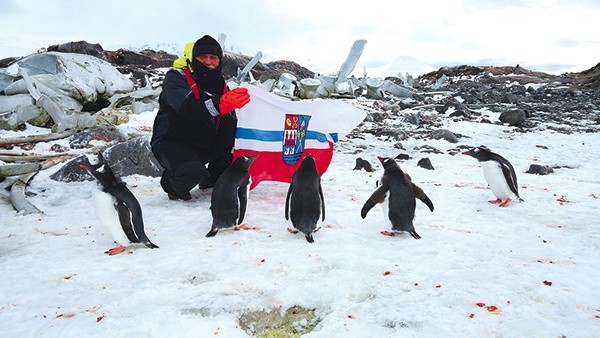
column 295, row 132
column 281, row 132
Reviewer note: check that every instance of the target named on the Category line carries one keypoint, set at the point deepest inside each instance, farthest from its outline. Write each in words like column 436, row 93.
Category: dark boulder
column 513, row 117
column 539, row 169
column 425, row 162
column 79, row 47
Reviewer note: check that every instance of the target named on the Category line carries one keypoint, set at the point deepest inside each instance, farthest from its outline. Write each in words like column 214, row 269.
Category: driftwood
column 16, row 169
column 30, row 158
column 244, row 72
column 18, row 197
column 36, row 138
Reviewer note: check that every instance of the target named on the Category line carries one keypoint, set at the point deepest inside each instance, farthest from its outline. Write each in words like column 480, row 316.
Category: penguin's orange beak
column 83, row 166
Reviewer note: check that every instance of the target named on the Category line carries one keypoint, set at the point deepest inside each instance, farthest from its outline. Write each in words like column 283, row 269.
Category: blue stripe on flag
column 277, row 135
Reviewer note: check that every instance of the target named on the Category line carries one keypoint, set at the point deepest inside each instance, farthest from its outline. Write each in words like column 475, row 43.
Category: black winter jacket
column 182, row 118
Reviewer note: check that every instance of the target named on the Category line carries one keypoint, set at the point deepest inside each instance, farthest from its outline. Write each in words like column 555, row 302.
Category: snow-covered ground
column 527, row 270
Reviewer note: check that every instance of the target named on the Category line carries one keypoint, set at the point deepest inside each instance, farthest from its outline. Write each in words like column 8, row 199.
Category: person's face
column 211, row 61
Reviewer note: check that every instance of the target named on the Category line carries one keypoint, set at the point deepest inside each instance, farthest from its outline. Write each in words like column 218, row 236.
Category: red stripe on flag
column 269, row 166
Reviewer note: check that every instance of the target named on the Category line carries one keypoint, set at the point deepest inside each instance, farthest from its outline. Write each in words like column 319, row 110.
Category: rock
column 129, row 57
column 79, row 47
column 429, row 149
column 455, row 108
column 425, row 163
column 402, row 157
column 5, row 80
column 15, row 110
column 71, row 172
column 412, row 119
column 539, row 169
column 444, row 134
column 589, row 79
column 82, row 139
column 513, row 117
column 133, row 157
column 82, row 77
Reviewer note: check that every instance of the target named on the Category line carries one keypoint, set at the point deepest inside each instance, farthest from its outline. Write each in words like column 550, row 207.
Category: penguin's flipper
column 508, row 171
column 377, row 197
column 287, row 202
column 243, row 200
column 115, row 250
column 420, row 194
column 135, row 209
column 322, row 203
column 125, row 220
column 414, row 234
column 212, row 232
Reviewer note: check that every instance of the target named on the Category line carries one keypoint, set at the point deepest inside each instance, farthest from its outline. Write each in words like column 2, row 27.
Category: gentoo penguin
column 498, row 173
column 399, row 207
column 304, row 202
column 230, row 195
column 116, row 206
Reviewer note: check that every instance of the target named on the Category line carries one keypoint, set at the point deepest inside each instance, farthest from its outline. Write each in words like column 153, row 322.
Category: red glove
column 236, row 98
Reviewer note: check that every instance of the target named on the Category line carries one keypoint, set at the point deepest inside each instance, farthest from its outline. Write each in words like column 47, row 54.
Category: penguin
column 116, row 207
column 498, row 173
column 399, row 207
column 230, row 195
column 304, row 203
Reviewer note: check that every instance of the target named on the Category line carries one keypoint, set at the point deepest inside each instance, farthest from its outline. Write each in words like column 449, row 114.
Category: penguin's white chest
column 492, row 172
column 385, row 206
column 108, row 215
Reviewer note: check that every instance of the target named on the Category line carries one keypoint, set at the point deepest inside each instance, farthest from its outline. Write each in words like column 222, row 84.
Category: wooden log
column 16, row 169
column 18, row 197
column 30, row 158
column 36, row 138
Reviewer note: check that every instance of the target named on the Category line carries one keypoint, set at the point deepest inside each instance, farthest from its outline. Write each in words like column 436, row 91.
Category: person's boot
column 168, row 188
column 188, row 175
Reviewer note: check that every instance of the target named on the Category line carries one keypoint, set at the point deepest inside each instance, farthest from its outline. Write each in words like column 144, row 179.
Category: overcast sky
column 547, row 35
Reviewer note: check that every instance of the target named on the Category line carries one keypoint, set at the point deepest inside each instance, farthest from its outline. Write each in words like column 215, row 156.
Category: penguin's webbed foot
column 244, row 227
column 505, row 203
column 292, row 230
column 388, row 233
column 115, row 250
column 496, row 201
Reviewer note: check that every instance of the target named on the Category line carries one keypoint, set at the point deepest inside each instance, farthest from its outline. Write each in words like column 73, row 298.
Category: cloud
column 316, row 32
column 565, row 42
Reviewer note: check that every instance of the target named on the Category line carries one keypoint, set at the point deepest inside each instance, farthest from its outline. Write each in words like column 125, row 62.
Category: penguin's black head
column 388, row 163
column 308, row 161
column 481, row 153
column 89, row 164
column 245, row 161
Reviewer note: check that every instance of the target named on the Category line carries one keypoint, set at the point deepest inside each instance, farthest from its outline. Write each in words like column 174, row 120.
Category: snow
column 529, row 269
